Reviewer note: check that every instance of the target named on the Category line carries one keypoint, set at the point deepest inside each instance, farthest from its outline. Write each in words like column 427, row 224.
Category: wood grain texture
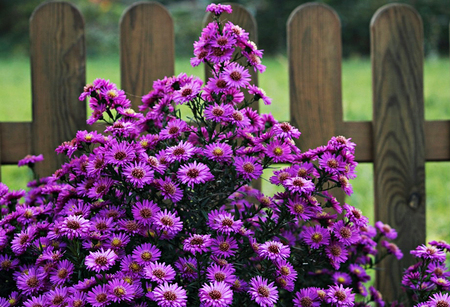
column 147, row 48
column 58, row 75
column 315, row 55
column 398, row 124
column 243, row 18
column 16, row 141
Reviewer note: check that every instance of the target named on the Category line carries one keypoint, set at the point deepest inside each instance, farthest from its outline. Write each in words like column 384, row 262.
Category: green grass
column 356, row 81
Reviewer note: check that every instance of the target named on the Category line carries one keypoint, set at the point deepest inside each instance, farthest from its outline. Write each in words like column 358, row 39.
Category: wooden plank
column 58, row 76
column 398, row 123
column 437, row 140
column 361, row 133
column 243, row 18
column 314, row 55
column 147, row 48
column 16, row 141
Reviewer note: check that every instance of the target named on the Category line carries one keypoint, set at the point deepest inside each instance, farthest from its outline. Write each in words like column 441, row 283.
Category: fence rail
column 398, row 140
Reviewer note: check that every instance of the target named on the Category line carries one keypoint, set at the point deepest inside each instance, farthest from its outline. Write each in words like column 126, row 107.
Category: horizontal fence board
column 361, row 133
column 15, row 141
column 437, row 140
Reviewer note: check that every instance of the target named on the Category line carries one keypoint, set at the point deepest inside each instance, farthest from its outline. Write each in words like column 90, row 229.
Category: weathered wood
column 58, row 75
column 243, row 18
column 16, row 140
column 361, row 133
column 398, row 122
column 147, row 48
column 315, row 55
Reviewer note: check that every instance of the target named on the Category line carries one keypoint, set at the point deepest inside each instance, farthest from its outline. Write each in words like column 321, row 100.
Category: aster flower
column 194, row 173
column 218, row 112
column 216, row 294
column 337, row 254
column 263, row 293
column 120, row 291
column 339, row 296
column 62, row 272
column 248, row 167
column 75, row 226
column 359, row 272
column 218, row 9
column 429, row 252
column 220, row 152
column 188, row 91
column 144, row 210
column 101, row 260
column 170, row 295
column 169, row 189
column 236, row 75
column 376, row 296
column 34, row 301
column 285, row 130
column 187, row 267
column 306, row 297
column 439, row 300
column 259, row 94
column 223, row 222
column 58, row 296
column 146, row 253
column 299, row 208
column 197, row 243
column 332, row 163
column 299, row 184
column 168, row 223
column 117, row 241
column 32, row 281
column 128, row 265
column 181, row 152
column 279, row 151
column 224, row 246
column 285, row 269
column 7, row 263
column 138, row 174
column 239, row 119
column 173, row 129
column 274, row 250
column 159, row 272
column 386, row 230
column 98, row 296
column 22, row 240
column 219, row 273
column 392, row 248
column 30, row 160
column 345, row 233
column 315, row 236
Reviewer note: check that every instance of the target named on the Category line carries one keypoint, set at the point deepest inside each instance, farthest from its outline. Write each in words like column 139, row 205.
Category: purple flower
column 439, row 300
column 376, row 296
column 31, row 282
column 98, row 296
column 170, row 295
column 341, row 278
column 331, row 163
column 220, row 152
column 386, row 230
column 169, row 189
column 274, row 250
column 188, row 91
column 194, row 173
column 146, row 253
column 429, row 252
column 159, row 272
column 224, row 222
column 345, row 233
column 316, row 236
column 58, row 296
column 221, row 273
column 174, row 129
column 218, row 9
column 359, row 272
column 187, row 267
column 143, row 211
column 263, row 293
column 285, row 269
column 339, row 296
column 197, row 243
column 75, row 226
column 278, row 151
column 248, row 167
column 34, row 301
column 215, row 294
column 218, row 113
column 285, row 130
column 120, row 291
column 120, row 153
column 236, row 75
column 138, row 174
column 181, row 152
column 117, row 241
column 299, row 184
column 306, row 297
column 62, row 272
column 224, row 246
column 298, row 207
column 30, row 160
column 337, row 254
column 259, row 94
column 392, row 248
column 101, row 260
column 168, row 223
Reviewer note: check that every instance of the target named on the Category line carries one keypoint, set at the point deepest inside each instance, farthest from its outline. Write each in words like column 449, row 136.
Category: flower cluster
column 427, row 282
column 158, row 211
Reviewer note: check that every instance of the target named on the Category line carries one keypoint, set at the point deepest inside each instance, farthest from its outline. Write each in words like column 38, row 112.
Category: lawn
column 16, row 96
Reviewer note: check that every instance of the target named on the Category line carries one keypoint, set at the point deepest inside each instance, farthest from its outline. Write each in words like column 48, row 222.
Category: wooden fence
column 398, row 140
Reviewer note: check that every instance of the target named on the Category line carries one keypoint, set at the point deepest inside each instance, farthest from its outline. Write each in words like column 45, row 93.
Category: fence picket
column 398, row 125
column 58, row 77
column 147, row 48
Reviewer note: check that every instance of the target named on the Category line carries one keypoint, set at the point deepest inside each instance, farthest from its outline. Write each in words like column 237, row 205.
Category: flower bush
column 158, row 210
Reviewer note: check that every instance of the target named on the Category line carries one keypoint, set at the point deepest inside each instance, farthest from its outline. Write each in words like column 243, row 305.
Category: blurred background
column 102, row 40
